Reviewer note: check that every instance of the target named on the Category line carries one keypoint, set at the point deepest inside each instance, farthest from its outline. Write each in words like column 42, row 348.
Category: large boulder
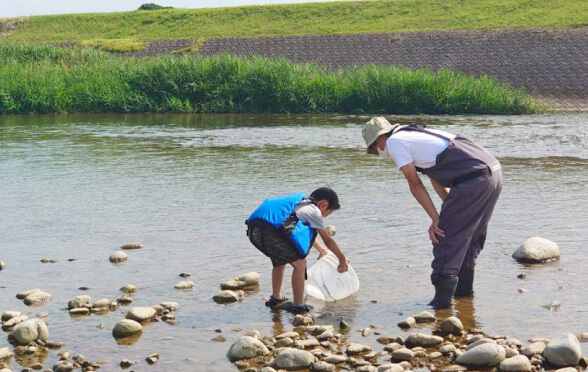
column 535, row 250
column 519, row 363
column 126, row 328
column 245, row 348
column 484, row 355
column 292, row 359
column 29, row 331
column 422, row 340
column 563, row 351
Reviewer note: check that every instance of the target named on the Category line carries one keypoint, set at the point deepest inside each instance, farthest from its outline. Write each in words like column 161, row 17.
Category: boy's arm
column 333, row 247
column 321, row 248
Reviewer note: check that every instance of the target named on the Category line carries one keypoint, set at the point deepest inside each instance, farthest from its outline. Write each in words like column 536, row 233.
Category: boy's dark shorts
column 273, row 243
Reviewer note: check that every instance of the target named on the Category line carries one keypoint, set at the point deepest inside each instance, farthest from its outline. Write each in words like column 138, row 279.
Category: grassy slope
column 312, row 18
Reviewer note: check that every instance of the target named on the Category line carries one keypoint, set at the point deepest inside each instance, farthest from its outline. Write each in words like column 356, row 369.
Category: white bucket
column 326, row 283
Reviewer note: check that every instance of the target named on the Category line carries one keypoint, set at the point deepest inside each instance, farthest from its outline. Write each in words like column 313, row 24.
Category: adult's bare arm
column 422, row 196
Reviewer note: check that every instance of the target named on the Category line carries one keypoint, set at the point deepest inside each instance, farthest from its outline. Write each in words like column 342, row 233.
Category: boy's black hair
column 325, row 193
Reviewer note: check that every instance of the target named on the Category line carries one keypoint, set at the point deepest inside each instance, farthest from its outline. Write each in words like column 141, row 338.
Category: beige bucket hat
column 374, row 128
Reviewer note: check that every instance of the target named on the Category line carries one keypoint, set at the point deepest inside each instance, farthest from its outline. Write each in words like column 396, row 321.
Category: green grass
column 47, row 79
column 115, row 45
column 310, row 18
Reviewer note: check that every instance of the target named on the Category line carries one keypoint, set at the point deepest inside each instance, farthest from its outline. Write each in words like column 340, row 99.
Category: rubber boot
column 444, row 290
column 465, row 284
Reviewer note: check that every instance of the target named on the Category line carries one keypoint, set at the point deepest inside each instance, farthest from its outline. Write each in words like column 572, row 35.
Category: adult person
column 465, row 176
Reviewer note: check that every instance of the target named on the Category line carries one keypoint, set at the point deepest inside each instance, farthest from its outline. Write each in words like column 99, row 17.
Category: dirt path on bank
column 552, row 64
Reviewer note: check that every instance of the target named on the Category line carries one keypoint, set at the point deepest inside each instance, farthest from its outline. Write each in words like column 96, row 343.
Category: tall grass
column 51, row 79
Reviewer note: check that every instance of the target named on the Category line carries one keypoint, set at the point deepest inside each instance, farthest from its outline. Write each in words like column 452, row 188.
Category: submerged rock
column 245, row 348
column 519, row 363
column 185, row 284
column 293, row 359
column 484, row 355
column 119, row 256
column 536, row 250
column 564, row 351
column 29, row 331
column 131, row 246
column 126, row 328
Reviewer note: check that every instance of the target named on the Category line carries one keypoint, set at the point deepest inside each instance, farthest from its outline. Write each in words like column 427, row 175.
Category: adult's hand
column 435, row 231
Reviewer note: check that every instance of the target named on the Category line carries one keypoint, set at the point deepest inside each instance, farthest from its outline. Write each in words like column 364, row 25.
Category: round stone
column 126, row 327
column 119, row 256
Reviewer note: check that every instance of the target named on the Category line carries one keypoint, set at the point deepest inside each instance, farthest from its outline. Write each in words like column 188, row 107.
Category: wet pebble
column 63, row 366
column 293, row 359
column 2, row 265
column 48, row 260
column 451, row 326
column 129, row 288
column 242, row 281
column 22, row 295
column 355, row 349
column 424, row 317
column 403, row 354
column 407, row 323
column 321, row 366
column 79, row 301
column 126, row 363
column 366, row 332
column 5, row 353
column 302, row 320
column 186, row 284
column 102, row 303
column 79, row 311
column 519, row 363
column 228, row 296
column 483, row 355
column 152, row 359
column 37, row 298
column 284, row 342
column 423, row 340
column 131, row 246
column 7, row 315
column 533, row 349
column 245, row 348
column 118, row 256
column 331, row 230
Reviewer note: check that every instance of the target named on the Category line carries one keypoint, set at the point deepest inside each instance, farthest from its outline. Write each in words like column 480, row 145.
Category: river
column 76, row 187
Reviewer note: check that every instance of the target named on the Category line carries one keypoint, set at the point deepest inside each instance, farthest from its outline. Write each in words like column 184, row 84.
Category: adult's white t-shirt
column 310, row 214
column 409, row 146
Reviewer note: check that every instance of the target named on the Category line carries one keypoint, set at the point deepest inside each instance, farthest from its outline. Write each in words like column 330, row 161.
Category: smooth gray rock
column 355, row 349
column 228, row 296
column 424, row 317
column 511, row 352
column 63, row 366
column 129, row 288
column 451, row 326
column 10, row 323
column 519, row 363
column 22, row 295
column 484, row 355
column 322, row 367
column 423, row 340
column 79, row 311
column 5, row 353
column 564, row 351
column 245, row 348
column 479, row 342
column 447, row 349
column 141, row 314
column 185, row 284
column 241, row 281
column 533, row 349
column 293, row 359
column 536, row 250
column 104, row 302
column 79, row 301
column 170, row 305
column 390, row 367
column 402, row 354
column 30, row 330
column 7, row 315
column 131, row 246
column 2, row 265
column 336, row 358
column 126, row 328
column 409, row 322
column 118, row 256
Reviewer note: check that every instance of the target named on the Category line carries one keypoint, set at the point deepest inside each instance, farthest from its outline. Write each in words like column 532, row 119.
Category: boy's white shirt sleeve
column 399, row 152
column 311, row 215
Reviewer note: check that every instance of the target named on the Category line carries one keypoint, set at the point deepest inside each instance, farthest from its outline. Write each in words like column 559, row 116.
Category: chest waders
column 475, row 179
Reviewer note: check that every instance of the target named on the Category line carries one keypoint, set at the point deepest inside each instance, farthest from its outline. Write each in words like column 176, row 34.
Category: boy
column 284, row 229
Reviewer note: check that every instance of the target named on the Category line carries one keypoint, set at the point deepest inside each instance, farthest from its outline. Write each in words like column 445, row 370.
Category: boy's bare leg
column 298, row 281
column 277, row 278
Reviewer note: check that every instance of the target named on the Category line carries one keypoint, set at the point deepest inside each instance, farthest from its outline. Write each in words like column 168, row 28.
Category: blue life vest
column 279, row 212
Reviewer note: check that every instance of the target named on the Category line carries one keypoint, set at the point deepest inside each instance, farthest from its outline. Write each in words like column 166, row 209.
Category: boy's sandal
column 301, row 309
column 274, row 301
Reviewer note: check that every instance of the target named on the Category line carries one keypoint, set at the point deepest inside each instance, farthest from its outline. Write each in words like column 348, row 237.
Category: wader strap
column 421, row 128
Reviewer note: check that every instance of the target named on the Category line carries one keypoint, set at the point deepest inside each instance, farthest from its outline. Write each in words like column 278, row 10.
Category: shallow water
column 79, row 186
